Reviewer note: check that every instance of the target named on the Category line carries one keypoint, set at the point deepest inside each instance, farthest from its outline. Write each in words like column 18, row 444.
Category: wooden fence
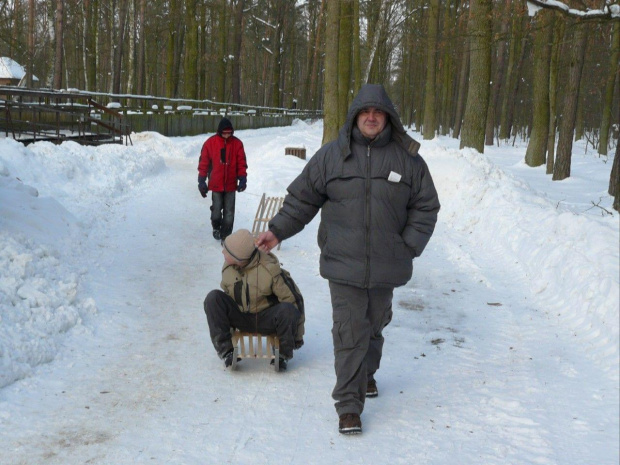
column 188, row 124
column 169, row 117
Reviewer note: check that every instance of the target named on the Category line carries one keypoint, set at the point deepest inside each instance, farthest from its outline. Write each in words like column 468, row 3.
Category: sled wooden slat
column 267, row 209
column 255, row 345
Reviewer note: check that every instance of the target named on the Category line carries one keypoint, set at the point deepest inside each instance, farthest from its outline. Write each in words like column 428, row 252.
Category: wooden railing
column 30, row 116
column 33, row 114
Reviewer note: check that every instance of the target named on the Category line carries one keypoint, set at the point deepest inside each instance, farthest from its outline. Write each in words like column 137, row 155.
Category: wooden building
column 13, row 74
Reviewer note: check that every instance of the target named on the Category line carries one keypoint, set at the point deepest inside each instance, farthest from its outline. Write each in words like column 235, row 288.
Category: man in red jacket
column 222, row 170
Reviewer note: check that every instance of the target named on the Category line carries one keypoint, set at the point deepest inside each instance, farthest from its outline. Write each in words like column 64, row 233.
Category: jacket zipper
column 225, row 165
column 367, row 267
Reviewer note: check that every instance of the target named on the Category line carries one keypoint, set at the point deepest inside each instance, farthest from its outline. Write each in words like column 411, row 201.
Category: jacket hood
column 225, row 123
column 374, row 95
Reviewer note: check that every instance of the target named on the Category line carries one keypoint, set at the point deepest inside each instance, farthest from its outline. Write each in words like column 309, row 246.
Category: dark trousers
column 359, row 316
column 223, row 212
column 223, row 313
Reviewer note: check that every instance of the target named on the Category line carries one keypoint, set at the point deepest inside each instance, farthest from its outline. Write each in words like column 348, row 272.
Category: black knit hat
column 225, row 123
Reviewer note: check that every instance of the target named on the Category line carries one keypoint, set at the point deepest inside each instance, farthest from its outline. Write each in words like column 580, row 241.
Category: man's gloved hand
column 243, row 183
column 298, row 344
column 202, row 186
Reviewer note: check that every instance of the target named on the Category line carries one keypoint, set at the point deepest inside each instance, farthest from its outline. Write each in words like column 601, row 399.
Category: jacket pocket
column 342, row 332
column 400, row 249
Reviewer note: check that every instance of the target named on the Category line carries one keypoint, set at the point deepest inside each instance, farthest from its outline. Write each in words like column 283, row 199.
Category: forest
column 484, row 71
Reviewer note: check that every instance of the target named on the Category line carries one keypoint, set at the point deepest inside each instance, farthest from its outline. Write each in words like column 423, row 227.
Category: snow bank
column 38, row 298
column 569, row 261
column 49, row 195
column 81, row 178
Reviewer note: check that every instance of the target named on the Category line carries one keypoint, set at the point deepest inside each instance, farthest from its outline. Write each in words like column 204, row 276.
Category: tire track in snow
column 528, row 376
column 474, row 367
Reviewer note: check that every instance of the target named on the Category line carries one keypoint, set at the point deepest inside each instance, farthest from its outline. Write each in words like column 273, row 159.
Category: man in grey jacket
column 378, row 211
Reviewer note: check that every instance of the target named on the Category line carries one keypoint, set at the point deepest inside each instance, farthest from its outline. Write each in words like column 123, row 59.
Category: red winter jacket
column 222, row 161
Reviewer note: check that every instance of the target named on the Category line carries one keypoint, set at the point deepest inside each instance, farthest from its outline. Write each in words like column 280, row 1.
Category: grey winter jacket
column 377, row 198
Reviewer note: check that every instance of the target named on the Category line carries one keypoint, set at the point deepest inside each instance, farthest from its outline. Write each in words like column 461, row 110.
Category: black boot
column 281, row 363
column 228, row 358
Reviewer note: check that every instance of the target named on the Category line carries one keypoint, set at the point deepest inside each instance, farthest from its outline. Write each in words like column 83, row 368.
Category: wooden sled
column 254, row 345
column 267, row 209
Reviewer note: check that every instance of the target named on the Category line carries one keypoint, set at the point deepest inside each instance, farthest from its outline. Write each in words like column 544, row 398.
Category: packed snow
column 504, row 347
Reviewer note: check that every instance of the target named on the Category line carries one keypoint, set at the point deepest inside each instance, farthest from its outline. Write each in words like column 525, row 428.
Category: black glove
column 298, row 344
column 202, row 186
column 243, row 183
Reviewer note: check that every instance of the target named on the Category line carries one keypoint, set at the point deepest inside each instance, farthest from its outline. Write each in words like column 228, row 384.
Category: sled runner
column 254, row 345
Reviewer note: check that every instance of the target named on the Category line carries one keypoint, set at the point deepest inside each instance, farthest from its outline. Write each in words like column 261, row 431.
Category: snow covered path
column 473, row 371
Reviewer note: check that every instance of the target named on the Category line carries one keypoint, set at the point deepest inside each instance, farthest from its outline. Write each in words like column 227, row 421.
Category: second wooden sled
column 255, row 345
column 267, row 209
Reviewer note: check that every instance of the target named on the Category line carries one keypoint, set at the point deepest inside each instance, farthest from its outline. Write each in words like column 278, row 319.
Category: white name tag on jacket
column 394, row 177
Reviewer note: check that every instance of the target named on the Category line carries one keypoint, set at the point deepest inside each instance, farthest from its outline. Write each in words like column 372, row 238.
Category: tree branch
column 609, row 12
column 604, row 210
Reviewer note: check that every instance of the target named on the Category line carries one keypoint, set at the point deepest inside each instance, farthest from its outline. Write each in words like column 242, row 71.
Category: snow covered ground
column 504, row 347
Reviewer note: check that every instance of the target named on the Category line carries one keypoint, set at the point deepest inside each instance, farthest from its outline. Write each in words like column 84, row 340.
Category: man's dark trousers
column 359, row 316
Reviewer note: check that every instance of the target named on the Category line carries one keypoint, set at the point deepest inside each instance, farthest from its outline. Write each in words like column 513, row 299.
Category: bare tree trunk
column 609, row 89
column 430, row 93
column 59, row 44
column 499, row 76
column 614, row 178
column 515, row 61
column 357, row 56
column 90, row 43
column 282, row 11
column 448, row 74
column 375, row 39
column 345, row 48
column 170, row 51
column 553, row 98
column 537, row 147
column 462, row 88
column 237, row 42
column 512, row 100
column 222, row 34
column 479, row 30
column 30, row 63
column 132, row 36
column 141, row 69
column 313, row 100
column 579, row 119
column 191, row 47
column 204, row 47
column 330, row 94
column 561, row 169
column 119, row 47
